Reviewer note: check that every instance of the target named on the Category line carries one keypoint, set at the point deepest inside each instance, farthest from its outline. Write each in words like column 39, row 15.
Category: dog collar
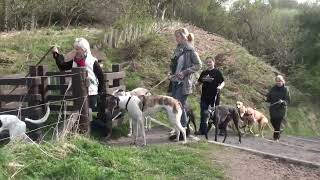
column 128, row 102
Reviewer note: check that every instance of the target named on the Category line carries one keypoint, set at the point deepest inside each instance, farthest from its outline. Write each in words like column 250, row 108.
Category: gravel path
column 242, row 165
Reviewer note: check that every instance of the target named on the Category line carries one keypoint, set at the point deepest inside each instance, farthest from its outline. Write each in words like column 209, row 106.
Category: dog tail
column 270, row 127
column 43, row 119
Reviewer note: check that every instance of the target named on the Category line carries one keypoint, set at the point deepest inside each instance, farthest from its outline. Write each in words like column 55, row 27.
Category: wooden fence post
column 34, row 89
column 42, row 71
column 116, row 68
column 80, row 91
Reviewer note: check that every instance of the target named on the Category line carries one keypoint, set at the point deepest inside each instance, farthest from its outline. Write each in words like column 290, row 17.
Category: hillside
column 247, row 78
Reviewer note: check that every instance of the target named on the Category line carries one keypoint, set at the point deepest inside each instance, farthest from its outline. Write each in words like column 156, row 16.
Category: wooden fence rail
column 41, row 87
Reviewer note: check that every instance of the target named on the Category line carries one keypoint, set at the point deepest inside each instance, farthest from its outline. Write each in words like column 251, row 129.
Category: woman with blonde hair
column 279, row 98
column 184, row 63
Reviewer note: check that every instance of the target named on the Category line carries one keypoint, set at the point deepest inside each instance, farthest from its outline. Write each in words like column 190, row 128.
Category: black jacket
column 275, row 94
column 64, row 66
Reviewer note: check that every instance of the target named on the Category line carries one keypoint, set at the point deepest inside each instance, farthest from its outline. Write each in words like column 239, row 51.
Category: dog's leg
column 208, row 129
column 141, row 122
column 137, row 131
column 130, row 127
column 225, row 134
column 262, row 128
column 236, row 123
column 216, row 130
column 149, row 123
column 177, row 132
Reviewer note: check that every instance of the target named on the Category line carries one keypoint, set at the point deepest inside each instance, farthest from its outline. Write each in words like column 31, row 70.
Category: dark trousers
column 276, row 124
column 204, row 116
column 102, row 123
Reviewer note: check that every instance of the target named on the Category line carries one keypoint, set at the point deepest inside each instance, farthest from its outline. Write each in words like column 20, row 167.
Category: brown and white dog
column 136, row 92
column 251, row 117
column 139, row 107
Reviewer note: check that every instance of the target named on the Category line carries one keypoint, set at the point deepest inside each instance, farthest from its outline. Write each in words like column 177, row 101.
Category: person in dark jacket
column 82, row 57
column 279, row 98
column 184, row 63
column 212, row 82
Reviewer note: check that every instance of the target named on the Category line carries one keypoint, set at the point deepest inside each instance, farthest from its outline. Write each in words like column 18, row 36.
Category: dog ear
column 117, row 91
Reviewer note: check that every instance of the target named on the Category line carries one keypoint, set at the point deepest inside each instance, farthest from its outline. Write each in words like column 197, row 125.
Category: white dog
column 135, row 92
column 16, row 127
column 139, row 108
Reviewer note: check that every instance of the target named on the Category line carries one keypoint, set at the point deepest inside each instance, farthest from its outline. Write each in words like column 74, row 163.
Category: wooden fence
column 43, row 86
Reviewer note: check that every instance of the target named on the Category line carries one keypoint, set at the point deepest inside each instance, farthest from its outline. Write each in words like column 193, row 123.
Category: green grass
column 82, row 158
column 27, row 47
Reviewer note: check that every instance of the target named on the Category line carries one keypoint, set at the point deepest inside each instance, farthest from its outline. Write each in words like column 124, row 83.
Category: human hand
column 180, row 75
column 282, row 101
column 218, row 90
column 55, row 50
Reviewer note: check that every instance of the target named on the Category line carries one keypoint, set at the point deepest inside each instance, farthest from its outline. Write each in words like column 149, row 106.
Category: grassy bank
column 82, row 158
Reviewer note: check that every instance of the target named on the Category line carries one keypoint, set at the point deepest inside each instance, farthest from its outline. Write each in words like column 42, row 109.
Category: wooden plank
column 111, row 90
column 12, row 76
column 24, row 98
column 44, row 83
column 58, row 97
column 58, row 107
column 114, row 75
column 20, row 81
column 116, row 67
column 24, row 112
column 57, row 87
column 65, row 73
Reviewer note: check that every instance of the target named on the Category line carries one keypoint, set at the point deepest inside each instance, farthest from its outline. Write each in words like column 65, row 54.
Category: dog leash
column 274, row 103
column 163, row 80
column 42, row 58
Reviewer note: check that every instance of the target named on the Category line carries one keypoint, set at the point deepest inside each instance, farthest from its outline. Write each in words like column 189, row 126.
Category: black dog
column 220, row 116
column 191, row 119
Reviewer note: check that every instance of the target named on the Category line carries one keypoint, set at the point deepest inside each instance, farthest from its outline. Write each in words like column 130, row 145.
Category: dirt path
column 288, row 146
column 240, row 164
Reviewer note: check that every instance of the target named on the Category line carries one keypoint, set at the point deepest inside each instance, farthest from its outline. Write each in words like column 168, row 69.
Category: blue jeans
column 177, row 93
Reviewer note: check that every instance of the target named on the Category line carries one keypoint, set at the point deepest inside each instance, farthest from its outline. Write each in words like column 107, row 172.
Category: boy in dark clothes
column 212, row 82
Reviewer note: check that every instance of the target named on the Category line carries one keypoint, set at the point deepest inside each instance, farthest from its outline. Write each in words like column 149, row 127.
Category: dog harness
column 128, row 102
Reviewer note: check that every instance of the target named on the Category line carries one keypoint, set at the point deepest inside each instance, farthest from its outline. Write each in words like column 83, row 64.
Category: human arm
column 100, row 76
column 62, row 65
column 196, row 64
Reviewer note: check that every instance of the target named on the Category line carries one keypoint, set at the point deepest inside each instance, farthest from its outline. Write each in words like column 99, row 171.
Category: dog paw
column 129, row 135
column 184, row 142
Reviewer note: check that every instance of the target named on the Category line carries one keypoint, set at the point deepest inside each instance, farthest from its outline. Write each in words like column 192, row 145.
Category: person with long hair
column 184, row 63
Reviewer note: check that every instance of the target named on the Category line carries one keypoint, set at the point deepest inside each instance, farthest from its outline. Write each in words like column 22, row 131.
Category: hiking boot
column 173, row 137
